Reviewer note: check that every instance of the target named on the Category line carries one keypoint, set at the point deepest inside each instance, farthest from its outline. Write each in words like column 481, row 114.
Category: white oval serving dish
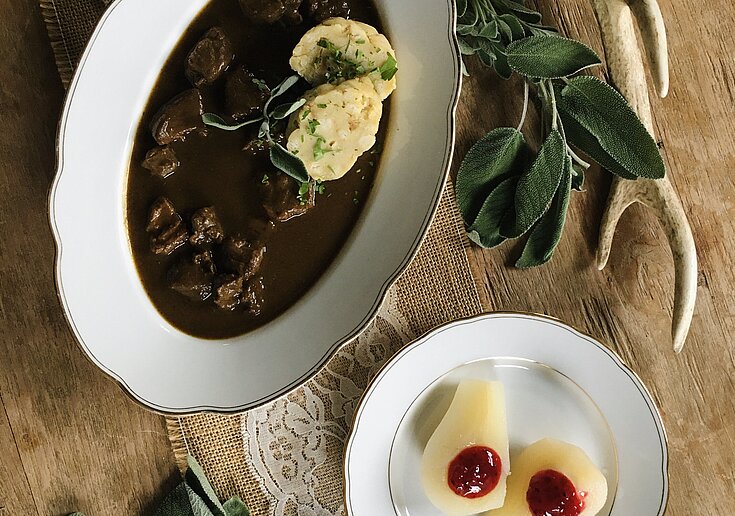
column 103, row 298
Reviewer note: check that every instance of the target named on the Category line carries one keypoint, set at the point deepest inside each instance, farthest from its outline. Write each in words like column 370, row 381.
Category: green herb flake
column 389, row 68
column 338, row 66
column 322, row 106
column 304, row 189
column 356, row 198
column 321, row 187
column 360, row 41
column 305, row 114
column 265, row 179
column 311, row 126
column 319, row 150
column 262, row 86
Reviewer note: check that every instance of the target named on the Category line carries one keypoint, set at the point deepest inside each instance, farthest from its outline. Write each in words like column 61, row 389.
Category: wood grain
column 629, row 304
column 70, row 440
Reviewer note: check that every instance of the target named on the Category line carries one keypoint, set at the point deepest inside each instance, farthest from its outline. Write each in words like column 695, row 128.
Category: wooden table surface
column 71, row 440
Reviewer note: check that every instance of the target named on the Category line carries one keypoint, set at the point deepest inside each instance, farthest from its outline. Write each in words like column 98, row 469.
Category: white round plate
column 559, row 383
column 103, row 298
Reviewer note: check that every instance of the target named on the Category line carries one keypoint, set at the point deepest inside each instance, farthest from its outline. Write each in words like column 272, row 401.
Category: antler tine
column 618, row 201
column 625, row 63
column 653, row 33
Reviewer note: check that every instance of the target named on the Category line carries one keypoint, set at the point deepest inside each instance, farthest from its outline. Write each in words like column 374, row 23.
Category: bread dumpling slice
column 341, row 49
column 335, row 126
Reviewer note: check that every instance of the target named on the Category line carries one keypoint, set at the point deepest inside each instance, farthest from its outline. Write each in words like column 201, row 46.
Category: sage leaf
column 489, row 30
column 585, row 141
column 611, row 122
column 235, row 507
column 543, row 30
column 217, row 121
column 465, row 30
column 486, row 162
column 505, row 31
column 198, row 483
column 285, row 110
column 485, row 231
column 282, row 88
column 536, row 187
column 288, row 162
column 546, row 234
column 520, row 11
column 487, row 58
column 550, row 57
column 465, row 48
column 502, row 67
column 515, row 26
column 177, row 503
column 199, row 507
column 486, row 46
column 470, row 17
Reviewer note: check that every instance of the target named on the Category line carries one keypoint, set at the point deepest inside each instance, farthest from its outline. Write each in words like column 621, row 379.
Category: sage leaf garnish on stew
column 282, row 158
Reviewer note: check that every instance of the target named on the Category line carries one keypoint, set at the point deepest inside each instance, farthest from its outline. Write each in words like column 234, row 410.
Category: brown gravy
column 215, row 171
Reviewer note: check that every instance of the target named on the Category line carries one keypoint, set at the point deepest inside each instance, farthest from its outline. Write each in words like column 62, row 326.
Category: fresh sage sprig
column 504, row 189
column 281, row 157
column 196, row 497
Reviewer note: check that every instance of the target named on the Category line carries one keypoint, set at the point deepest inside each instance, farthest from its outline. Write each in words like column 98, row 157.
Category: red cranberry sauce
column 551, row 493
column 475, row 472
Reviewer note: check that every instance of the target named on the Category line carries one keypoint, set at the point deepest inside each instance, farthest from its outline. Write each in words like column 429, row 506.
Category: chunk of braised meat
column 243, row 96
column 281, row 198
column 168, row 231
column 320, row 10
column 170, row 239
column 206, row 228
column 228, row 291
column 161, row 161
column 252, row 298
column 271, row 11
column 161, row 215
column 205, row 260
column 209, row 58
column 193, row 277
column 242, row 256
column 178, row 117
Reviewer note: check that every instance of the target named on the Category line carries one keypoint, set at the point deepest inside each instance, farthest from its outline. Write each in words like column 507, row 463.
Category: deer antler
column 625, row 63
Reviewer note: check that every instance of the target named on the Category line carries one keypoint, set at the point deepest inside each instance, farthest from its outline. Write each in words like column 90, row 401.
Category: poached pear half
column 466, row 460
column 553, row 477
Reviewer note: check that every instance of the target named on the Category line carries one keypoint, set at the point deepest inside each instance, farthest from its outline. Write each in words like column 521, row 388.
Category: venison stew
column 254, row 157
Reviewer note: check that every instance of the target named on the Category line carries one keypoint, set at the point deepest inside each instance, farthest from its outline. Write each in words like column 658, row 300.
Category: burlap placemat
column 286, row 458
